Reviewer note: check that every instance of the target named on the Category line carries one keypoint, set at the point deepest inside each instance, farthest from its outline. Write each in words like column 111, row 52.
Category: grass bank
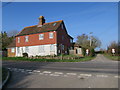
column 48, row 60
column 116, row 58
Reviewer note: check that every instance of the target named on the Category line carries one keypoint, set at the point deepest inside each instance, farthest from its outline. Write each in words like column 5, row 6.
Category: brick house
column 42, row 39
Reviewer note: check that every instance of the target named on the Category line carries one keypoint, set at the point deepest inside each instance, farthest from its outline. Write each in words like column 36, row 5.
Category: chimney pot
column 41, row 20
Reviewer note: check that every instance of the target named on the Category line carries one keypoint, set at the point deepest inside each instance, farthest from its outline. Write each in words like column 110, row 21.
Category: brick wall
column 34, row 40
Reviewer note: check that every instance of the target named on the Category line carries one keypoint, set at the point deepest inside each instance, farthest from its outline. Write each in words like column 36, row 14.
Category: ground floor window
column 41, row 48
column 18, row 49
column 52, row 47
column 26, row 49
column 12, row 50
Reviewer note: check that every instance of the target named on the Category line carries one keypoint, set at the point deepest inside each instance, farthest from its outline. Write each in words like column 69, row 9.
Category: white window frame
column 41, row 36
column 18, row 49
column 51, row 35
column 18, row 39
column 26, row 38
column 52, row 48
column 26, row 49
column 12, row 50
column 41, row 48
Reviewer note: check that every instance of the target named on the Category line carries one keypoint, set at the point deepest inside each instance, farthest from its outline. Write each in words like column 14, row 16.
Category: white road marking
column 41, row 73
column 21, row 69
column 71, row 73
column 9, row 68
column 87, row 75
column 117, row 76
column 29, row 70
column 46, row 72
column 54, row 75
column 65, row 75
column 36, row 71
column 58, row 73
column 102, row 76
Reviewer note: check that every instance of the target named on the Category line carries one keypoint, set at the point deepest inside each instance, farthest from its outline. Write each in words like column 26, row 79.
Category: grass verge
column 116, row 58
column 47, row 60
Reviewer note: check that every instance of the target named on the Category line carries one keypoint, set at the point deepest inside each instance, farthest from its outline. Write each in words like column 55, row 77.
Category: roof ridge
column 30, row 26
column 53, row 22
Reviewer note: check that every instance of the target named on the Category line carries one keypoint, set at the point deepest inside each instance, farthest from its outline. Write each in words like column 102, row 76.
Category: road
column 98, row 73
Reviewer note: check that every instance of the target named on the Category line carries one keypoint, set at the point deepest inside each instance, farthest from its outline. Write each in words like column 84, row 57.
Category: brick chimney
column 41, row 20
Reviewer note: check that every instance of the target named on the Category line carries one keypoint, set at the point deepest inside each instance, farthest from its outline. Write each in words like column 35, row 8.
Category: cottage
column 42, row 39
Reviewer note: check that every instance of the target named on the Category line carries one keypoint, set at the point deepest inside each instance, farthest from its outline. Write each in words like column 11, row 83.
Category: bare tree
column 84, row 41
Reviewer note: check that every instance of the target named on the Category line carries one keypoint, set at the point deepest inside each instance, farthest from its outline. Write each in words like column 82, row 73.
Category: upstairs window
column 26, row 38
column 41, row 36
column 18, row 39
column 50, row 35
column 54, row 24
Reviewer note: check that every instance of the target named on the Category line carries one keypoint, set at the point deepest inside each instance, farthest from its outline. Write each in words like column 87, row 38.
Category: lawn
column 116, row 58
column 48, row 60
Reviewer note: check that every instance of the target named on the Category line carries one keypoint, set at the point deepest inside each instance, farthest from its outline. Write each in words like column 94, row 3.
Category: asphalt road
column 98, row 73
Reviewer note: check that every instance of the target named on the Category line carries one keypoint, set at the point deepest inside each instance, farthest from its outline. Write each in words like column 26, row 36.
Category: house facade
column 42, row 39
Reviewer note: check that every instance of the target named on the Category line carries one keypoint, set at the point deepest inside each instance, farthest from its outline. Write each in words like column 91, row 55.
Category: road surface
column 98, row 73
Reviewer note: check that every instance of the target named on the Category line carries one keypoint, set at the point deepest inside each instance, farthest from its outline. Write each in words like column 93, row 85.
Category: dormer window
column 54, row 24
column 50, row 35
column 26, row 38
column 41, row 36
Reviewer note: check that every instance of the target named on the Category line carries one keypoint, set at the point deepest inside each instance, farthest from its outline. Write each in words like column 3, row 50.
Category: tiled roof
column 52, row 26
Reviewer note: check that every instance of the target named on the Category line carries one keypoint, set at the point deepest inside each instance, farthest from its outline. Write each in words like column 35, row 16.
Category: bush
column 83, row 51
column 92, row 52
column 25, row 55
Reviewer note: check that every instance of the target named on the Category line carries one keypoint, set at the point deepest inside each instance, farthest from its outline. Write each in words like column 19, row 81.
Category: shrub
column 83, row 51
column 25, row 55
column 92, row 52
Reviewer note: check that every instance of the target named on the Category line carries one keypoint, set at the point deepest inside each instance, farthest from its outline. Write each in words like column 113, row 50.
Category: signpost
column 87, row 52
column 113, row 51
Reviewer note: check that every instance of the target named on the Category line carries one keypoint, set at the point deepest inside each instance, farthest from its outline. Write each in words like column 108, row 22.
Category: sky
column 101, row 18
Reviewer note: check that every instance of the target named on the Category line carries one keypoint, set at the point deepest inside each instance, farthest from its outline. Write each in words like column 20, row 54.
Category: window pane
column 18, row 39
column 50, row 35
column 12, row 50
column 41, row 36
column 26, row 38
column 18, row 49
column 41, row 48
column 26, row 49
column 52, row 48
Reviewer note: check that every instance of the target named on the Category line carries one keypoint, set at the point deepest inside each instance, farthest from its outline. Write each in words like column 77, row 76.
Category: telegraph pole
column 91, row 39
